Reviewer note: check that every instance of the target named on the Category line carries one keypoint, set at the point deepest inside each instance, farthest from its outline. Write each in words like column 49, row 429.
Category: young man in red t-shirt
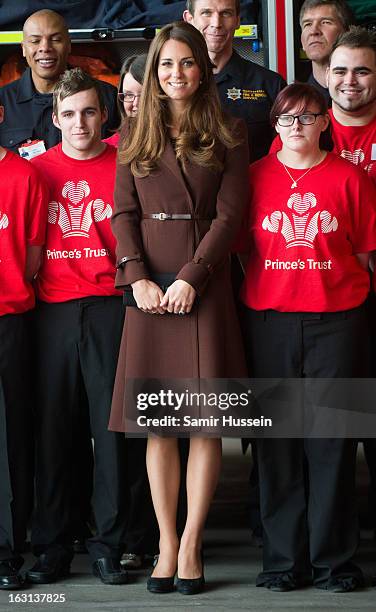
column 351, row 77
column 78, row 324
column 352, row 85
column 23, row 216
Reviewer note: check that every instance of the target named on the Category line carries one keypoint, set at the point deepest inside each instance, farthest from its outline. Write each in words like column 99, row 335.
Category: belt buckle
column 163, row 216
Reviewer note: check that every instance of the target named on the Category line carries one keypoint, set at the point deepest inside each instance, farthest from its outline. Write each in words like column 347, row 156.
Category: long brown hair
column 202, row 124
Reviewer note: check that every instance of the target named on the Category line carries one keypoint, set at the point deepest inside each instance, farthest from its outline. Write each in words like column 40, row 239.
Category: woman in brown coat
column 180, row 191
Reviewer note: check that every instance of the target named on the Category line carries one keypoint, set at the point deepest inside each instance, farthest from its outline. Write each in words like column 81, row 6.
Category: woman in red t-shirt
column 309, row 237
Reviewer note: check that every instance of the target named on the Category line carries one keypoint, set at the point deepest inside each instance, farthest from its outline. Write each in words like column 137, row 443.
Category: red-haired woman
column 310, row 228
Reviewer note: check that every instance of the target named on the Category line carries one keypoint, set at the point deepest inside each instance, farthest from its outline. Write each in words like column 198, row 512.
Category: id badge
column 373, row 152
column 31, row 149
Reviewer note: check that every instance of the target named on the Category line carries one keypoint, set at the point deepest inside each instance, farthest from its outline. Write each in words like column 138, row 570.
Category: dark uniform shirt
column 323, row 90
column 248, row 90
column 28, row 114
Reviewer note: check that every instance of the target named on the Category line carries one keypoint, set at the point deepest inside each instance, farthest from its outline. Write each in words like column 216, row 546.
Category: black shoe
column 109, row 571
column 160, row 585
column 190, row 586
column 132, row 561
column 49, row 568
column 281, row 583
column 346, row 584
column 9, row 576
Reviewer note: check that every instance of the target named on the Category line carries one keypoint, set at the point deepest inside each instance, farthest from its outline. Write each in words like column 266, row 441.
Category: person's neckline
column 94, row 158
column 321, row 157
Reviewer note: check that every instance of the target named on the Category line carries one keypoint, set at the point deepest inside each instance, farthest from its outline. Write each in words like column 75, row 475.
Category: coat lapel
column 169, row 160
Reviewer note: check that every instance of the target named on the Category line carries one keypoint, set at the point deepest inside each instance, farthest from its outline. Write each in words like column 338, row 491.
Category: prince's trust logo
column 300, row 226
column 4, row 221
column 355, row 157
column 75, row 214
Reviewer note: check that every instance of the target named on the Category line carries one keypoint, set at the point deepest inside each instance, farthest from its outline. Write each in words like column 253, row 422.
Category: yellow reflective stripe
column 246, row 31
column 7, row 38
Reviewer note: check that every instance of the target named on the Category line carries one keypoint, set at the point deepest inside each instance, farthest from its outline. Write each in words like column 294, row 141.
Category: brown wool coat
column 207, row 342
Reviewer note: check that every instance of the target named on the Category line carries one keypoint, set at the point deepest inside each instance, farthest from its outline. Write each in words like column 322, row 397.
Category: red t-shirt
column 113, row 140
column 23, row 217
column 354, row 143
column 303, row 240
column 79, row 254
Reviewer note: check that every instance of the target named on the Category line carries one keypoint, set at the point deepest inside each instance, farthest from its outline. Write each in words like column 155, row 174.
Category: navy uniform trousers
column 307, row 486
column 77, row 344
column 16, row 435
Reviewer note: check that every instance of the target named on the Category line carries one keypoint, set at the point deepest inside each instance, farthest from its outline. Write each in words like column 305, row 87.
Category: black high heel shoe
column 191, row 586
column 160, row 585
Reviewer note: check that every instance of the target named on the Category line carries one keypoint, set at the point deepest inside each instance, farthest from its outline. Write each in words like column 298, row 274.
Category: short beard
column 352, row 109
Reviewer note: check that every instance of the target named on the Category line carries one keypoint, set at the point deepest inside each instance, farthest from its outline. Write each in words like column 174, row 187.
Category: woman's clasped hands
column 150, row 298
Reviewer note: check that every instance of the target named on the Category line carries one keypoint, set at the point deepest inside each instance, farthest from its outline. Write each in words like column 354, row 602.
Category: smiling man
column 45, row 47
column 321, row 22
column 246, row 89
column 78, row 324
column 351, row 79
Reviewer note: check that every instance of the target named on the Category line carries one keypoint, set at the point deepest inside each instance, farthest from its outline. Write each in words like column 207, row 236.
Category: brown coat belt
column 161, row 216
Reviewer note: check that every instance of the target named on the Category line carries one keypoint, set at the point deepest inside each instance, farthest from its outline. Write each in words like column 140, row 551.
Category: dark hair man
column 246, row 89
column 23, row 218
column 351, row 82
column 351, row 79
column 321, row 22
column 78, row 324
column 45, row 46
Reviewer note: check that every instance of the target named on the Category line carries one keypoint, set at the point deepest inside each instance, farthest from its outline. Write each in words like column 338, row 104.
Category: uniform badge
column 234, row 93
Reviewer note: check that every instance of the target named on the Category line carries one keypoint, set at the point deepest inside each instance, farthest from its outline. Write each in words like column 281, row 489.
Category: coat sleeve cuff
column 131, row 272
column 197, row 274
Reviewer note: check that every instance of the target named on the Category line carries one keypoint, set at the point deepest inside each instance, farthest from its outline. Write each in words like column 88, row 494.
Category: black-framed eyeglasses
column 304, row 119
column 127, row 96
